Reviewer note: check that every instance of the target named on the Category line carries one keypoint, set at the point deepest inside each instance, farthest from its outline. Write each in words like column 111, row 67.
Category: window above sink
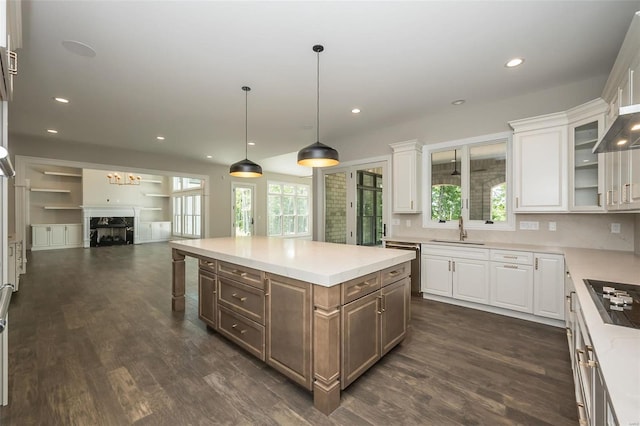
column 469, row 178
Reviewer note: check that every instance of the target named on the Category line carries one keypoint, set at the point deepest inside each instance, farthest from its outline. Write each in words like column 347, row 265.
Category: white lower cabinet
column 56, row 236
column 452, row 272
column 548, row 286
column 520, row 281
column 154, row 231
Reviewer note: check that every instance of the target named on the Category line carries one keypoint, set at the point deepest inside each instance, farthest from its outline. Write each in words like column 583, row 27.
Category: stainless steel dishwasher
column 415, row 263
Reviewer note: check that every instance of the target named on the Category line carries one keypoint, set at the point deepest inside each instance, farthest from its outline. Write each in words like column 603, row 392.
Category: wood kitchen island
column 319, row 313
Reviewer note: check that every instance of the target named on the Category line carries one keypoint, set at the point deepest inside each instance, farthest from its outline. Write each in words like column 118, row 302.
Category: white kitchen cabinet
column 10, row 39
column 548, row 285
column 407, row 157
column 56, row 236
column 512, row 286
column 453, row 272
column 586, row 169
column 540, row 153
column 154, row 231
column 629, row 180
column 14, row 262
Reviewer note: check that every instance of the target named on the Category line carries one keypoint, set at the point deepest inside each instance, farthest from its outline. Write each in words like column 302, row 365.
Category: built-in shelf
column 587, row 143
column 587, row 187
column 590, row 165
column 152, row 208
column 150, row 181
column 63, row 174
column 62, row 207
column 50, row 190
column 158, row 195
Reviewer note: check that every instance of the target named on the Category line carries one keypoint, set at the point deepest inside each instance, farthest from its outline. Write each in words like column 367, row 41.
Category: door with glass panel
column 355, row 210
column 243, row 209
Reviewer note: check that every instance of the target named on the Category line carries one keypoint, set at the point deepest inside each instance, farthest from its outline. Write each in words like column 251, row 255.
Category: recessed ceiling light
column 635, row 127
column 356, row 110
column 79, row 48
column 62, row 100
column 52, row 131
column 621, row 142
column 160, row 138
column 209, row 156
column 585, row 161
column 458, row 102
column 251, row 143
column 514, row 62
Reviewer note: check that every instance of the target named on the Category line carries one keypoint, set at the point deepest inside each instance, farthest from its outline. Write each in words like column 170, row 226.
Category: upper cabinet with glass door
column 469, row 181
column 586, row 169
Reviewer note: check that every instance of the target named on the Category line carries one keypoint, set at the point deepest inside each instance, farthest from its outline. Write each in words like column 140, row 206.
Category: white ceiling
column 176, row 68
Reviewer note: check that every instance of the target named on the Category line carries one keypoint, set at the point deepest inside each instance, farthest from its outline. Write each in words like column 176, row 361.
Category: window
column 469, row 179
column 187, row 207
column 186, row 183
column 187, row 215
column 287, row 209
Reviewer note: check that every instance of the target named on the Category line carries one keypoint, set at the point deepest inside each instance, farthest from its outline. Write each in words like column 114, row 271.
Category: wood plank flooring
column 93, row 341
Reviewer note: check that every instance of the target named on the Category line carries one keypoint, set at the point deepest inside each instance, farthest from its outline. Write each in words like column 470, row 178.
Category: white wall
column 219, row 201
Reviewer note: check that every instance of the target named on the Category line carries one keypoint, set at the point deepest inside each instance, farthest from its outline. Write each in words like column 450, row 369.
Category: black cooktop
column 618, row 303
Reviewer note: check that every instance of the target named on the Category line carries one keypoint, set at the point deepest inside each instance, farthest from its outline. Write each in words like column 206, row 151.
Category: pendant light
column 318, row 154
column 455, row 164
column 246, row 167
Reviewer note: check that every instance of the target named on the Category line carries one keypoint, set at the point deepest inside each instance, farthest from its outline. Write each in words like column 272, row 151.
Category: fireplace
column 111, row 231
column 110, row 225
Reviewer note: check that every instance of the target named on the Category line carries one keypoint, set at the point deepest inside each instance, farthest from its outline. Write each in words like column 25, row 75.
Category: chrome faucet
column 463, row 233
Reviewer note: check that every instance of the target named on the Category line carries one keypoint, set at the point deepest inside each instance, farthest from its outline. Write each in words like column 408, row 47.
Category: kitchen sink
column 468, row 243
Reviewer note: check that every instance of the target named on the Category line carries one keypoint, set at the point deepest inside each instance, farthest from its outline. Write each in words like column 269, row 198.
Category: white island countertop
column 617, row 348
column 320, row 263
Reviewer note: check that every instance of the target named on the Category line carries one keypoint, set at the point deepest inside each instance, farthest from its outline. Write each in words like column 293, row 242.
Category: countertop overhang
column 320, row 263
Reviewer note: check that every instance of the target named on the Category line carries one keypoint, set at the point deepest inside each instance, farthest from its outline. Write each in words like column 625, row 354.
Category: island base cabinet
column 395, row 314
column 361, row 336
column 372, row 326
column 246, row 333
column 207, row 299
column 289, row 321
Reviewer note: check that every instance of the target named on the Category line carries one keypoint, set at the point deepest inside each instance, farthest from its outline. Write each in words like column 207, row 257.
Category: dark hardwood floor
column 93, row 341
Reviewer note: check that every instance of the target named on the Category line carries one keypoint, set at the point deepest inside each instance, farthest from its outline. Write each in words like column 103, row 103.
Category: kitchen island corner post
column 178, row 280
column 326, row 348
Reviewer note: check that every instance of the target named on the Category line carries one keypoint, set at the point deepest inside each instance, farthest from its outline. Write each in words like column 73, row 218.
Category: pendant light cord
column 246, row 124
column 318, row 101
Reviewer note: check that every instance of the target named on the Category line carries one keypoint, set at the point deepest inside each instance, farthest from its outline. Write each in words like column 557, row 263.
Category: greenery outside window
column 287, row 209
column 469, row 179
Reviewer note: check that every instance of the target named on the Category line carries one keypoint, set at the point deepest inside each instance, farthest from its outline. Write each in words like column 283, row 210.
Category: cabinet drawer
column 395, row 273
column 243, row 274
column 241, row 298
column 358, row 287
column 246, row 333
column 508, row 256
column 208, row 265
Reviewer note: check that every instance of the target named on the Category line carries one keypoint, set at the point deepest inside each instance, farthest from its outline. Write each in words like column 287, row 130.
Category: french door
column 356, row 206
column 243, row 209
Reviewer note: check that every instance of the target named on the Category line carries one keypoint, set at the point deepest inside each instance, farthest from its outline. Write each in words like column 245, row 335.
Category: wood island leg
column 326, row 348
column 178, row 282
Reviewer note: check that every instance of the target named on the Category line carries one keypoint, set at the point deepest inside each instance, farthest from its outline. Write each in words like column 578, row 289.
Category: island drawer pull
column 235, row 327
column 394, row 273
column 363, row 285
column 240, row 298
column 380, row 310
column 239, row 273
column 209, row 263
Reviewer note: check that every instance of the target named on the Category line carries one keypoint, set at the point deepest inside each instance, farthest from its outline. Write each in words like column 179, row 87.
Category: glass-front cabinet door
column 587, row 169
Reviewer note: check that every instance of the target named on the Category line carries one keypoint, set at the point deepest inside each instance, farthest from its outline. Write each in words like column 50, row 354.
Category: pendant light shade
column 245, row 168
column 318, row 154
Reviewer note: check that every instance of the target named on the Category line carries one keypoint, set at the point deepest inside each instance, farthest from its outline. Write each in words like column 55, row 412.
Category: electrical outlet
column 395, row 222
column 615, row 228
column 408, row 223
column 552, row 226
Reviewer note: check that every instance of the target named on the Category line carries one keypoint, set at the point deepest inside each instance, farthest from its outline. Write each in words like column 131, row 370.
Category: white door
column 58, row 236
column 39, row 236
column 548, row 283
column 512, row 286
column 243, row 209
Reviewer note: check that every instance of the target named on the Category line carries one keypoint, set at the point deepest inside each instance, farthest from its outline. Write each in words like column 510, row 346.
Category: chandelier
column 116, row 179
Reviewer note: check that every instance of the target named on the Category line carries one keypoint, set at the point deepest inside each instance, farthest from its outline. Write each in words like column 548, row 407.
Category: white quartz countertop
column 479, row 244
column 320, row 263
column 617, row 348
